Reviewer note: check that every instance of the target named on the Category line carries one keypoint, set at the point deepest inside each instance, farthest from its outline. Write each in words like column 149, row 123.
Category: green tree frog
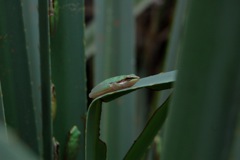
column 113, row 84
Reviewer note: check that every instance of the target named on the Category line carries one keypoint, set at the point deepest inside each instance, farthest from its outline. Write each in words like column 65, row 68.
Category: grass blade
column 2, row 115
column 45, row 79
column 149, row 132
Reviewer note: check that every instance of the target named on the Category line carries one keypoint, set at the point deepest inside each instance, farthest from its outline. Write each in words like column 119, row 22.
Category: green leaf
column 115, row 45
column 20, row 70
column 68, row 70
column 45, row 79
column 149, row 132
column 2, row 114
column 157, row 82
column 205, row 103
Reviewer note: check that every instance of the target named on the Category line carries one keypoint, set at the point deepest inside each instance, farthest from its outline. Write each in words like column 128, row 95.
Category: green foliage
column 68, row 70
column 156, row 82
column 20, row 71
column 114, row 41
column 25, row 73
column 42, row 44
column 149, row 132
column 2, row 115
column 205, row 106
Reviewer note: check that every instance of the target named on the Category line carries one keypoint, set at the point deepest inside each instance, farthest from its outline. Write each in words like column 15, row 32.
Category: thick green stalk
column 31, row 28
column 174, row 43
column 205, row 102
column 45, row 79
column 20, row 70
column 68, row 69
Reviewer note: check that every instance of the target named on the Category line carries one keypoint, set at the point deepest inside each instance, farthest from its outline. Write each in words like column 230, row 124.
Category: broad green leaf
column 45, row 79
column 20, row 70
column 205, row 105
column 68, row 70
